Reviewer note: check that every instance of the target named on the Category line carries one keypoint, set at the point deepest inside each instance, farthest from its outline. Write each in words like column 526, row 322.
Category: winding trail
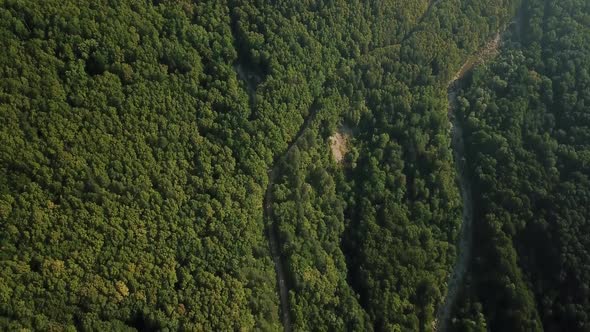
column 272, row 231
column 272, row 234
column 458, row 145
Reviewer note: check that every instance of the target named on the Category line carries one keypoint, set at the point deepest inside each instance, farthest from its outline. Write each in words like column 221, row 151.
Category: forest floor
column 465, row 244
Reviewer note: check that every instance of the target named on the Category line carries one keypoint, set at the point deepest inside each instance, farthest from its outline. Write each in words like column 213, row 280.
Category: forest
column 166, row 165
column 526, row 131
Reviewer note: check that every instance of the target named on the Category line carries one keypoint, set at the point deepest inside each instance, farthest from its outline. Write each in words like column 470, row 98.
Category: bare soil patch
column 339, row 144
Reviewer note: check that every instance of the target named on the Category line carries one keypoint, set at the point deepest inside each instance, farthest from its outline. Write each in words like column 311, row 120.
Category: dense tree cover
column 526, row 128
column 137, row 138
column 402, row 206
column 131, row 176
column 403, row 211
column 310, row 219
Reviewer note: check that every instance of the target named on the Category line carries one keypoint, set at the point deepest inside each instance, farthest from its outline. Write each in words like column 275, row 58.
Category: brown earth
column 339, row 145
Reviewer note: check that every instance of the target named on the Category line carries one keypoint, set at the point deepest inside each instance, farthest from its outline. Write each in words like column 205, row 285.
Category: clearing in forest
column 339, row 143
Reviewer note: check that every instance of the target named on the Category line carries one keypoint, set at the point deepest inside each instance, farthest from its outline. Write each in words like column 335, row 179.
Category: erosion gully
column 465, row 244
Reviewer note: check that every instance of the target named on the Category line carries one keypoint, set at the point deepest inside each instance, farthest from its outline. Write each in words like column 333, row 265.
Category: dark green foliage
column 120, row 204
column 526, row 123
column 137, row 138
column 404, row 208
column 310, row 220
